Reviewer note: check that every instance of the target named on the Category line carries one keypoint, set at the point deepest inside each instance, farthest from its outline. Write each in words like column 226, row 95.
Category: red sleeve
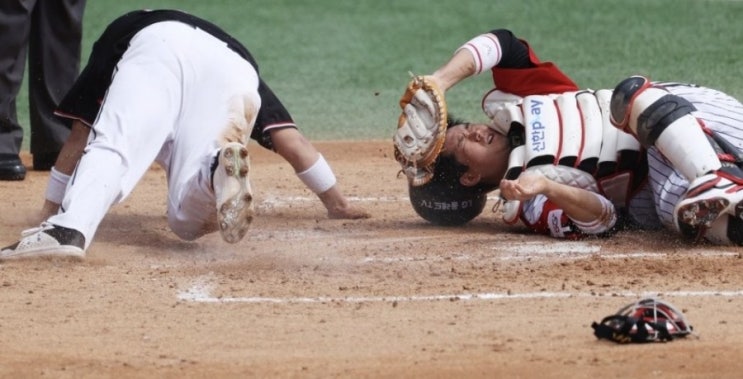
column 543, row 78
column 554, row 222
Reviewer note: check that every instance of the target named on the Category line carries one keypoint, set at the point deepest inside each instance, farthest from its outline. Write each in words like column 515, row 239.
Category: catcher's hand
column 421, row 129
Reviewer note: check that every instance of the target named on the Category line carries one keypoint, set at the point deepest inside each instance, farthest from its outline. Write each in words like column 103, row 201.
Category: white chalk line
column 273, row 200
column 201, row 293
column 501, row 251
column 538, row 256
column 436, row 258
column 516, row 251
column 541, row 250
column 561, row 250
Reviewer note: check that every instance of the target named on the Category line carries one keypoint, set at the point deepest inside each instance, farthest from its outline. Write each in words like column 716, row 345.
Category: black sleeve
column 272, row 116
column 84, row 99
column 515, row 51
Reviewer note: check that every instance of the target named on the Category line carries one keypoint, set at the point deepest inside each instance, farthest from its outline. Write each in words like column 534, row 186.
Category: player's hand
column 525, row 187
column 339, row 207
column 347, row 212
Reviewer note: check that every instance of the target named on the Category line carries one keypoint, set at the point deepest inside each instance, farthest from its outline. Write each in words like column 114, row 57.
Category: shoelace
column 499, row 202
column 44, row 226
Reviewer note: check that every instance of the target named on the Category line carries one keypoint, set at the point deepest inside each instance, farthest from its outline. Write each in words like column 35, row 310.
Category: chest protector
column 569, row 138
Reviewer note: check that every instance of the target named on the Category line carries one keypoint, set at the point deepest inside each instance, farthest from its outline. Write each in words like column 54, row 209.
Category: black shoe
column 44, row 161
column 11, row 167
column 46, row 241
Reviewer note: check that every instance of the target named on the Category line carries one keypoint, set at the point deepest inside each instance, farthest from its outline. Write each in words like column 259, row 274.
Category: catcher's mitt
column 647, row 320
column 421, row 129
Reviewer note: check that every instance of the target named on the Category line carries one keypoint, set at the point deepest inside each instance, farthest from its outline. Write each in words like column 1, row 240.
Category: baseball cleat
column 232, row 190
column 707, row 198
column 47, row 240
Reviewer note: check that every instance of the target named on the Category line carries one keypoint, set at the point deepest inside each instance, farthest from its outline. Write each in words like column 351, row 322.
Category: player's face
column 476, row 146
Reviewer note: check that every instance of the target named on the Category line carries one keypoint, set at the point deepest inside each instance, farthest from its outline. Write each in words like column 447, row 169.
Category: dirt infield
column 391, row 296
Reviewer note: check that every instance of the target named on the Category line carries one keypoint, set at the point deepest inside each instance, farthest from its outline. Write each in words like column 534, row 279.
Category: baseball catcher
column 569, row 162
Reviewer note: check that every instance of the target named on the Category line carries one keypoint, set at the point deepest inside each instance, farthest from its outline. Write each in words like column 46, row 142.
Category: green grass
column 340, row 66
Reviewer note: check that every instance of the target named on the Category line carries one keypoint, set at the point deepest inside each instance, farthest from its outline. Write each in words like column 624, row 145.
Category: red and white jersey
column 552, row 124
column 561, row 131
column 568, row 138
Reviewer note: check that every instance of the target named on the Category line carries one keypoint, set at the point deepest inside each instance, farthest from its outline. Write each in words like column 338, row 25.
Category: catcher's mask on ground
column 654, row 310
column 646, row 320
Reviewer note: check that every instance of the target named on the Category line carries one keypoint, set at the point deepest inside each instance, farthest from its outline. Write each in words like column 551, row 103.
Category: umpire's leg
column 54, row 62
column 15, row 26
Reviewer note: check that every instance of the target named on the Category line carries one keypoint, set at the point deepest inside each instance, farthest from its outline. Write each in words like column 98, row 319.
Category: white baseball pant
column 176, row 93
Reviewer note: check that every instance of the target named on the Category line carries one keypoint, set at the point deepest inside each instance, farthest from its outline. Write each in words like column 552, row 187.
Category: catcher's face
column 480, row 148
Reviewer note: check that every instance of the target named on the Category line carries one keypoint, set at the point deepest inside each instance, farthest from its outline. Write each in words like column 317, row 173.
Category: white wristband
column 57, row 186
column 319, row 177
column 485, row 50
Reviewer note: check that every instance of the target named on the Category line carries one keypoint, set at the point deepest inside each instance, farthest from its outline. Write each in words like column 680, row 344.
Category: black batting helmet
column 446, row 204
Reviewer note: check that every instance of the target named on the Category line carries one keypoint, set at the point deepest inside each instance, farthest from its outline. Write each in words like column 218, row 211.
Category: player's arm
column 315, row 172
column 591, row 212
column 307, row 162
column 481, row 53
column 69, row 155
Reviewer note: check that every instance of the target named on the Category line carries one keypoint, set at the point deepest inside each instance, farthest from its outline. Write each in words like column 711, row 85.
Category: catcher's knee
column 639, row 108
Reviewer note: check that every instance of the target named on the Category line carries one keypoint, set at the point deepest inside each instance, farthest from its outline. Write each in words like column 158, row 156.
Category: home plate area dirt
column 390, row 296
